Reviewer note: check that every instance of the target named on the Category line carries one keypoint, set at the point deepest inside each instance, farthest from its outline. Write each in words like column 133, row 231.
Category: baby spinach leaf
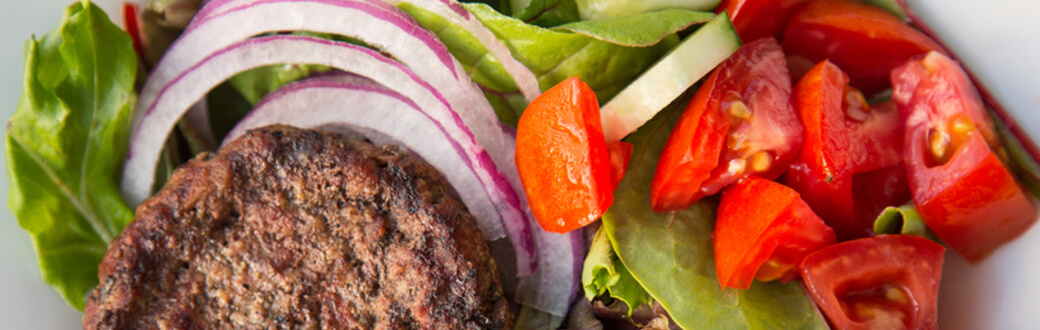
column 671, row 256
column 66, row 143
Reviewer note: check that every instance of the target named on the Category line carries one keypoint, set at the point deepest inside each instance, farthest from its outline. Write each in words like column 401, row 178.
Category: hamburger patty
column 289, row 228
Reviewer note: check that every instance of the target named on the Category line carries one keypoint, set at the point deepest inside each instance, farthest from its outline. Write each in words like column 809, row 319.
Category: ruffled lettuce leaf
column 671, row 256
column 66, row 143
column 605, row 275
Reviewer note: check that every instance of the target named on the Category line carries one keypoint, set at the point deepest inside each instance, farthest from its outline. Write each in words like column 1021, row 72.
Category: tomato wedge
column 562, row 157
column 756, row 19
column 881, row 282
column 739, row 123
column 620, row 153
column 762, row 231
column 844, row 138
column 865, row 41
column 962, row 190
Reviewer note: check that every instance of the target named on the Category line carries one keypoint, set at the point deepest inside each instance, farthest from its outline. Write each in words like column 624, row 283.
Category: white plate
column 997, row 40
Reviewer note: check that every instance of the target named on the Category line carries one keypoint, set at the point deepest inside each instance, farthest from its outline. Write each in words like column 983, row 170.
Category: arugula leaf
column 66, row 143
column 555, row 55
column 641, row 30
column 603, row 274
column 671, row 256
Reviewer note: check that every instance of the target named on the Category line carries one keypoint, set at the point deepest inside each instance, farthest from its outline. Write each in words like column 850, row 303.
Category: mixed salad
column 659, row 164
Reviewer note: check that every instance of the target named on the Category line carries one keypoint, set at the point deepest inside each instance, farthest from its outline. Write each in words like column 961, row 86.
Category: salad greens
column 545, row 13
column 607, row 55
column 671, row 256
column 604, row 274
column 556, row 55
column 652, row 27
column 66, row 143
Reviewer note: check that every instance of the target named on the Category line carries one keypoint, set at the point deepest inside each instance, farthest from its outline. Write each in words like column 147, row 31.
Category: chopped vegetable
column 844, row 137
column 961, row 188
column 756, row 19
column 865, row 41
column 762, row 231
column 65, row 146
column 620, row 152
column 670, row 254
column 562, row 158
column 902, row 220
column 881, row 282
column 669, row 77
column 739, row 123
column 554, row 55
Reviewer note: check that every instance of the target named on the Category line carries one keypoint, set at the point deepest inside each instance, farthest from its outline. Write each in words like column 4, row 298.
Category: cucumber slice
column 669, row 77
column 607, row 9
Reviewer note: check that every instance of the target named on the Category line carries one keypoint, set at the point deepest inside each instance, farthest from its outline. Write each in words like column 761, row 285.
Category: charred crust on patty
column 290, row 228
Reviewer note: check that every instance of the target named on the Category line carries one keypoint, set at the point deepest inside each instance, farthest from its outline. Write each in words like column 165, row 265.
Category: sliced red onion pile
column 416, row 95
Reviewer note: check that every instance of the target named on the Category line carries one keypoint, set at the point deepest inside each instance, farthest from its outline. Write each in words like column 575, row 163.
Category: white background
column 998, row 39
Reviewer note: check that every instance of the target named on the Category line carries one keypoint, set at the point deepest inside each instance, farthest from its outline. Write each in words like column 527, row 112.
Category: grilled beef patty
column 290, row 228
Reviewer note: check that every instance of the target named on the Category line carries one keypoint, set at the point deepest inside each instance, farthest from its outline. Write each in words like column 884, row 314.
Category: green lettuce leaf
column 546, row 13
column 557, row 55
column 641, row 30
column 671, row 256
column 66, row 143
column 604, row 274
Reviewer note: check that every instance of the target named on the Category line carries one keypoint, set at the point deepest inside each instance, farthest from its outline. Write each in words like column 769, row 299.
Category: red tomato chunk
column 739, row 123
column 881, row 282
column 763, row 230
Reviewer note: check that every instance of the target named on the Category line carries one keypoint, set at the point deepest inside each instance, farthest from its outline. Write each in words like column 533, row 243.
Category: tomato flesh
column 865, row 41
column 620, row 153
column 846, row 141
column 962, row 190
column 562, row 157
column 740, row 122
column 763, row 230
column 880, row 282
column 756, row 19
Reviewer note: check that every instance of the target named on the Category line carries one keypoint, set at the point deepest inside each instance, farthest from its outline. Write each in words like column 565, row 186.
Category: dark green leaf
column 671, row 256
column 66, row 143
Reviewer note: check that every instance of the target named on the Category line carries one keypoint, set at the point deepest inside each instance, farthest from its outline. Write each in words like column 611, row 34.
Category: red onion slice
column 359, row 104
column 173, row 101
column 371, row 21
column 449, row 10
